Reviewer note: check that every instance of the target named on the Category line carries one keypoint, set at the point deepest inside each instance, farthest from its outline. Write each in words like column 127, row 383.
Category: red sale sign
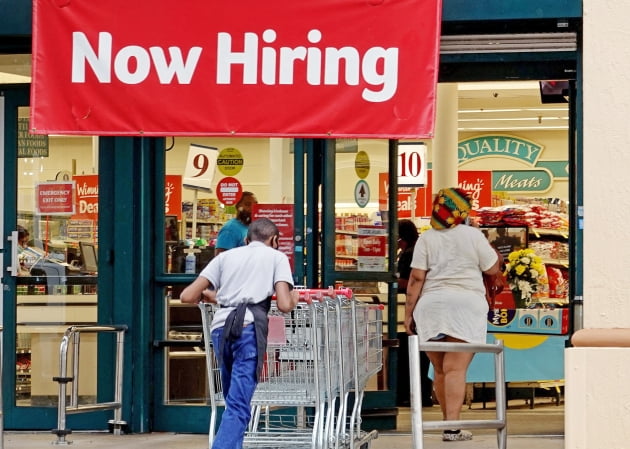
column 372, row 248
column 173, row 195
column 406, row 198
column 477, row 183
column 87, row 196
column 339, row 68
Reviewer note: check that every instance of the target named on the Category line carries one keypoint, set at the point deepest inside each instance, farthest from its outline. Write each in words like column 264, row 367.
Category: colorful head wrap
column 450, row 208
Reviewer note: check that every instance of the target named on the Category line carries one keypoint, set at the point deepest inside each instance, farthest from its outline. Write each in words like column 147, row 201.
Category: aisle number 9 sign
column 200, row 166
column 412, row 164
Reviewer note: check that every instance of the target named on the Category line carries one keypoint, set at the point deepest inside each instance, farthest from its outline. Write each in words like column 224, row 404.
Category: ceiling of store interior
column 483, row 106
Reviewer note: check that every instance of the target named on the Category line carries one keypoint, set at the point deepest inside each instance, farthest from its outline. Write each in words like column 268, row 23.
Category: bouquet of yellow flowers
column 525, row 273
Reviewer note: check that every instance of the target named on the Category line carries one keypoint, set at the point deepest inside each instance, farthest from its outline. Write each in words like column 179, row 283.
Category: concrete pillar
column 597, row 388
column 444, row 148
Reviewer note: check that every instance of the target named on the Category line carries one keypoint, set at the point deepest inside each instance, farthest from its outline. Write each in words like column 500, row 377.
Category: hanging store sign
column 498, row 145
column 408, row 204
column 412, row 164
column 411, row 203
column 29, row 145
column 283, row 216
column 86, row 197
column 200, row 165
column 478, row 185
column 537, row 180
column 372, row 248
column 98, row 69
column 558, row 169
column 173, row 196
column 55, row 198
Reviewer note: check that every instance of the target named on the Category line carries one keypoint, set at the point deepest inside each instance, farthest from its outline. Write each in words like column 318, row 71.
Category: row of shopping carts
column 319, row 359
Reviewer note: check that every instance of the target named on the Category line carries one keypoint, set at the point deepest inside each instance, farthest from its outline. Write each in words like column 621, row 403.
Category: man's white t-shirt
column 245, row 274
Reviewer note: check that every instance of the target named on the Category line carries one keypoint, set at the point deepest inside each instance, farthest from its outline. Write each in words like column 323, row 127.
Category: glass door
column 188, row 218
column 50, row 233
column 359, row 235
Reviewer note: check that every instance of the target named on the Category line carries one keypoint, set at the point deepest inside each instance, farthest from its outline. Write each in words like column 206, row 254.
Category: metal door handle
column 14, row 269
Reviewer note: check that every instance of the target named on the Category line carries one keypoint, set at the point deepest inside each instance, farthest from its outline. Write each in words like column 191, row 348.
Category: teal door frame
column 165, row 417
column 318, row 270
column 22, row 417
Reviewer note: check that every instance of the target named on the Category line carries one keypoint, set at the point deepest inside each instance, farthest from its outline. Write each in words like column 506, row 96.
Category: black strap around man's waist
column 233, row 328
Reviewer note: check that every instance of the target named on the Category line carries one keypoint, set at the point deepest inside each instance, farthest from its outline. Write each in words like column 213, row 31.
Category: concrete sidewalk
column 541, row 427
column 385, row 440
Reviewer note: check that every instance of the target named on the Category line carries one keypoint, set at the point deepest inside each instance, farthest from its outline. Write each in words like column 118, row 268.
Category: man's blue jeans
column 238, row 379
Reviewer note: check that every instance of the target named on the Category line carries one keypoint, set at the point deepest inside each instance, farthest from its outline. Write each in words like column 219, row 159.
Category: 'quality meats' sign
column 323, row 68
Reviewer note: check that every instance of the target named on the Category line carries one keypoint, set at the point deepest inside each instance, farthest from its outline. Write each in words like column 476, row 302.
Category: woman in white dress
column 445, row 298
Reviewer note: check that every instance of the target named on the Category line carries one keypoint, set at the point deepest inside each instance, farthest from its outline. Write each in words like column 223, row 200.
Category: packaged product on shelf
column 550, row 249
column 187, row 207
column 558, row 282
column 533, row 216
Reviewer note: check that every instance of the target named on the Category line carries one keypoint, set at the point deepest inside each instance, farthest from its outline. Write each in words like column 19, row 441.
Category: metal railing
column 417, row 424
column 72, row 336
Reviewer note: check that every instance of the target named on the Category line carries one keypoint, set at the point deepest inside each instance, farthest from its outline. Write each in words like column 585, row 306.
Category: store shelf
column 206, row 229
column 561, row 262
column 186, row 363
column 186, row 354
column 542, row 232
column 205, row 221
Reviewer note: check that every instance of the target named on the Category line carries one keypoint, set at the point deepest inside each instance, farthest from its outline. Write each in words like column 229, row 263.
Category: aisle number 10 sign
column 412, row 164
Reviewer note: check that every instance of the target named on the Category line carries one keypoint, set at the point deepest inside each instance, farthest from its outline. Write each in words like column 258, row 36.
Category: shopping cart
column 316, row 354
column 362, row 357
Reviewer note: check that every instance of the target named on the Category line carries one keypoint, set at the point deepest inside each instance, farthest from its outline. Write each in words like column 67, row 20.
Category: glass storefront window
column 57, row 223
column 193, row 216
column 361, row 205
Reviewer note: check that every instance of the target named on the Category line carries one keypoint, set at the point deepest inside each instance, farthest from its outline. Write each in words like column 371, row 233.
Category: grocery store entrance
column 516, row 157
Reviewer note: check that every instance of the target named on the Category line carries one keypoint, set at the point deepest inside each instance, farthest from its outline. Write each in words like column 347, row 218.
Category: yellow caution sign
column 230, row 161
column 362, row 164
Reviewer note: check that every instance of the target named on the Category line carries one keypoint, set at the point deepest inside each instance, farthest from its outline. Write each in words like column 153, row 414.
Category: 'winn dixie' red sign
column 86, row 197
column 327, row 68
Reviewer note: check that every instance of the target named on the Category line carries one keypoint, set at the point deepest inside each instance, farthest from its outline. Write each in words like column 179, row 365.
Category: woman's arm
column 498, row 265
column 414, row 289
